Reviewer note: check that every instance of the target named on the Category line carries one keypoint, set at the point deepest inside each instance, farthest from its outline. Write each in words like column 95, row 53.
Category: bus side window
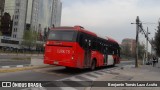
column 116, row 51
column 110, row 50
column 83, row 40
column 95, row 44
column 86, row 43
column 98, row 46
column 105, row 50
column 90, row 43
column 119, row 53
column 80, row 40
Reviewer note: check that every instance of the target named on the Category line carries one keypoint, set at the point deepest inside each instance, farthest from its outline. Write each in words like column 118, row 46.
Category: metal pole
column 137, row 36
column 152, row 47
column 144, row 57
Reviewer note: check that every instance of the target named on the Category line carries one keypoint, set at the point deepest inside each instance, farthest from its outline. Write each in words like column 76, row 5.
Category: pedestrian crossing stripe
column 91, row 76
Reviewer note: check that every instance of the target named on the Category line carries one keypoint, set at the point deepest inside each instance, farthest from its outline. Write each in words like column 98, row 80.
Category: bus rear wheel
column 93, row 65
column 69, row 68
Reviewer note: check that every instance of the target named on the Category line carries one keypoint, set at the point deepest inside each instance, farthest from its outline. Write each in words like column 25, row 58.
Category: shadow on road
column 66, row 71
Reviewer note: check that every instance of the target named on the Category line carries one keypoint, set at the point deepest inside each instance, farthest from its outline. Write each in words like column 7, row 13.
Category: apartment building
column 34, row 15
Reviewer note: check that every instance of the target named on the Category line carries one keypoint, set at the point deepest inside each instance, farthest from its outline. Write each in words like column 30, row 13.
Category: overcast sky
column 111, row 18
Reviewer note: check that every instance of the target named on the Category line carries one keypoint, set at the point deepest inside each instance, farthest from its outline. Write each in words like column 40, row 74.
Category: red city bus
column 75, row 47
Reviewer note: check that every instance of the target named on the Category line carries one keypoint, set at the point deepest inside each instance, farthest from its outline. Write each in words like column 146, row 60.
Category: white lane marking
column 94, row 74
column 19, row 66
column 100, row 72
column 41, row 88
column 86, row 76
column 106, row 71
column 70, row 88
column 67, row 88
column 75, row 79
column 5, row 66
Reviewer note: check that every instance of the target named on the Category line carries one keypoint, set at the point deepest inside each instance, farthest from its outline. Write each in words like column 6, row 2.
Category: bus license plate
column 55, row 62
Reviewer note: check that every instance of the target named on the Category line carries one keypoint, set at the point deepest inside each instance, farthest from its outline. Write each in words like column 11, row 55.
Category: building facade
column 56, row 13
column 19, row 19
column 128, row 46
column 37, row 15
column 2, row 2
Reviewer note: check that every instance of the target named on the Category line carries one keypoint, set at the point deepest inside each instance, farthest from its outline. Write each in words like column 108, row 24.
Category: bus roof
column 77, row 28
column 111, row 40
column 80, row 28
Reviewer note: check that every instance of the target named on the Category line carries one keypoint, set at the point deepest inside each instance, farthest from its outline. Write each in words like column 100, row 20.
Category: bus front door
column 105, row 56
column 87, row 54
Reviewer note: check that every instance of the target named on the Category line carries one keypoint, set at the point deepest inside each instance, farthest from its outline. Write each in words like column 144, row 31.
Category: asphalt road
column 51, row 74
column 56, row 73
column 47, row 74
column 130, row 62
column 44, row 74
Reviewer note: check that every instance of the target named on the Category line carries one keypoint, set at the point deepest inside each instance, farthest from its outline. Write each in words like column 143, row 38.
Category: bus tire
column 93, row 65
column 69, row 68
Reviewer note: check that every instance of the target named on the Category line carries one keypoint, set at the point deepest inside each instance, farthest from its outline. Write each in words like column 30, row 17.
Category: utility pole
column 137, row 36
column 147, row 39
column 138, row 28
column 152, row 47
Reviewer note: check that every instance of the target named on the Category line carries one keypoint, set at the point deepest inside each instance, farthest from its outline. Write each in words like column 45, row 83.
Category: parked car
column 149, row 62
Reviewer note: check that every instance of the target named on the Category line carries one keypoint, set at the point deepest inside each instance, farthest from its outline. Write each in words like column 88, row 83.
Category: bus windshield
column 62, row 35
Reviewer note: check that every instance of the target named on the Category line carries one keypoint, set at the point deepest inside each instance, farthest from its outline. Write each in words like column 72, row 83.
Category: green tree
column 125, row 50
column 29, row 38
column 6, row 24
column 157, row 41
column 141, row 50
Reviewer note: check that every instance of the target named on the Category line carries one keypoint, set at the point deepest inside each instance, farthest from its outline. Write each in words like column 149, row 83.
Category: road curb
column 8, row 69
column 14, row 66
column 21, row 54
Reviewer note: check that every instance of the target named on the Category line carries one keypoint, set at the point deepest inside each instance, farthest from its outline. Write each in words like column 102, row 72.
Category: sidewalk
column 21, row 54
column 130, row 73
